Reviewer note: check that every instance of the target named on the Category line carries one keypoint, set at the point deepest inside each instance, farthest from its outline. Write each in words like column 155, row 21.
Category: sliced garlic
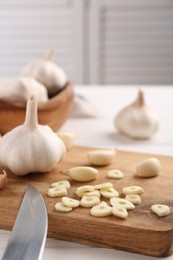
column 122, row 202
column 60, row 206
column 161, row 210
column 82, row 173
column 120, row 212
column 89, row 202
column 115, row 174
column 57, row 192
column 133, row 190
column 109, row 193
column 135, row 199
column 148, row 168
column 84, row 189
column 64, row 183
column 101, row 157
column 69, row 202
column 101, row 210
column 104, row 185
column 92, row 193
column 68, row 139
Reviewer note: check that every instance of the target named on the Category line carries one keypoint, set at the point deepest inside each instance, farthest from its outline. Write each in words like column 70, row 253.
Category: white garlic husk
column 19, row 90
column 47, row 72
column 31, row 147
column 137, row 120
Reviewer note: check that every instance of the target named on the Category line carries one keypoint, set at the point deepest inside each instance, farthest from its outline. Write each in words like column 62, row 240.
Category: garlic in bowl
column 47, row 72
column 137, row 120
column 31, row 147
column 53, row 113
column 18, row 90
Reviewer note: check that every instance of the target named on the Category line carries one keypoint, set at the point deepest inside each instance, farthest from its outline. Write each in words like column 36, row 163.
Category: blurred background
column 117, row 42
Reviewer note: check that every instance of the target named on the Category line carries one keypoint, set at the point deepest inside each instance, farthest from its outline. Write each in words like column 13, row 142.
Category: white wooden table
column 100, row 132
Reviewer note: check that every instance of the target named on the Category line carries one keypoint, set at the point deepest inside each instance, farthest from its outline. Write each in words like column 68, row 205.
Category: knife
column 29, row 232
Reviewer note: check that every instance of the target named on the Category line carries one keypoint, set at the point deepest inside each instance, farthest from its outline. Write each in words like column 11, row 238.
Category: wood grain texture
column 53, row 113
column 142, row 232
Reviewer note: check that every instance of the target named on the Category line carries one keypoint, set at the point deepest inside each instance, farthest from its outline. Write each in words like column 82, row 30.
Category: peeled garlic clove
column 19, row 90
column 82, row 173
column 101, row 157
column 137, row 120
column 47, row 72
column 148, row 168
column 3, row 180
column 31, row 147
column 67, row 138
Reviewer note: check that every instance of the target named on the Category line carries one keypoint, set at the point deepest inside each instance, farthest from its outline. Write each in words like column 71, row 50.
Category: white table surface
column 100, row 132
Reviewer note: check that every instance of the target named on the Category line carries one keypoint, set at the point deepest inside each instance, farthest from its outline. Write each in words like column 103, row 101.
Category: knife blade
column 29, row 232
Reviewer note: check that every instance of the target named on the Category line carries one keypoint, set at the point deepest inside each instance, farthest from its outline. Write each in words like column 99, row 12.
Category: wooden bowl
column 52, row 113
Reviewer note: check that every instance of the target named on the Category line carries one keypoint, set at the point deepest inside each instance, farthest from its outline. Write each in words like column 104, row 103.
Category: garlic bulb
column 47, row 72
column 137, row 120
column 18, row 90
column 31, row 147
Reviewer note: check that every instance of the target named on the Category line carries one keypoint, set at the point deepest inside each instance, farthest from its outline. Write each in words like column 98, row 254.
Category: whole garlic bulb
column 19, row 89
column 137, row 120
column 47, row 72
column 31, row 147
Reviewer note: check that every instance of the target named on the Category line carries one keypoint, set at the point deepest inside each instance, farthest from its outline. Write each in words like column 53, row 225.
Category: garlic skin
column 19, row 89
column 31, row 147
column 137, row 120
column 47, row 72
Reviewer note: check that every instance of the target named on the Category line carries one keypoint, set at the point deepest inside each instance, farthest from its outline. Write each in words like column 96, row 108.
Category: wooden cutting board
column 142, row 232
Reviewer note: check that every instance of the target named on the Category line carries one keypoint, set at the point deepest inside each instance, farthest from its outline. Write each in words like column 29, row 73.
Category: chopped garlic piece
column 135, row 199
column 57, row 192
column 105, row 185
column 109, row 193
column 122, row 202
column 69, row 202
column 101, row 210
column 64, row 183
column 120, row 212
column 132, row 190
column 115, row 174
column 161, row 210
column 59, row 206
column 89, row 202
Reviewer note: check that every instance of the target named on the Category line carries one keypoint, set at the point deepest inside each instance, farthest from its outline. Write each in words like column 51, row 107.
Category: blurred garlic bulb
column 137, row 120
column 18, row 90
column 47, row 72
column 31, row 147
